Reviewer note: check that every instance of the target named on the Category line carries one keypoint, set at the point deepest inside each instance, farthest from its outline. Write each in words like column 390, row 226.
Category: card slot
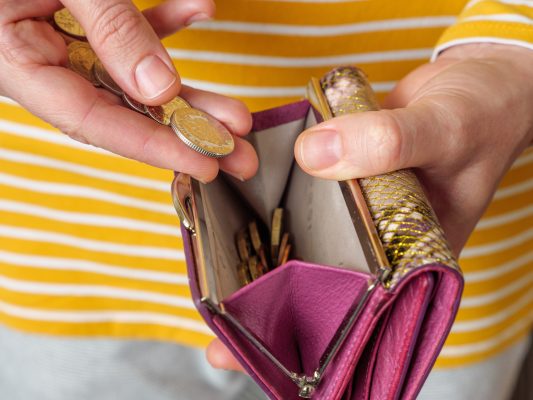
column 400, row 337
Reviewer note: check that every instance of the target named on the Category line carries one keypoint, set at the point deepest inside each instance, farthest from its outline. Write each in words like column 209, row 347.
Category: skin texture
column 460, row 122
column 33, row 58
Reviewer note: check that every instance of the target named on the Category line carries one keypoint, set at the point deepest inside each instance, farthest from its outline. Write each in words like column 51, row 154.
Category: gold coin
column 81, row 59
column 282, row 247
column 244, row 275
column 105, row 79
column 163, row 113
column 253, row 268
column 65, row 21
column 254, row 236
column 277, row 224
column 243, row 245
column 202, row 133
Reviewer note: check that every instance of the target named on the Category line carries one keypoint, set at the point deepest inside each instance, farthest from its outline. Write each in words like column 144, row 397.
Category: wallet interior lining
column 316, row 215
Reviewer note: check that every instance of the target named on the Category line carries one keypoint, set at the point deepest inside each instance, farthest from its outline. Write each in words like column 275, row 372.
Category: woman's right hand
column 33, row 59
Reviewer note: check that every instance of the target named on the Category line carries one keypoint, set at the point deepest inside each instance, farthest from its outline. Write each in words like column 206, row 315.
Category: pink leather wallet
column 366, row 313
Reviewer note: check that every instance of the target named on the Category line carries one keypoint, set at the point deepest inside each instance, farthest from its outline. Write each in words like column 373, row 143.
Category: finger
column 29, row 42
column 372, row 143
column 231, row 112
column 408, row 90
column 172, row 15
column 16, row 10
column 93, row 118
column 220, row 357
column 129, row 48
column 243, row 162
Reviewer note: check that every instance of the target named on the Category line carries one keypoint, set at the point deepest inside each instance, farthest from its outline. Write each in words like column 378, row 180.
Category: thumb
column 371, row 143
column 129, row 48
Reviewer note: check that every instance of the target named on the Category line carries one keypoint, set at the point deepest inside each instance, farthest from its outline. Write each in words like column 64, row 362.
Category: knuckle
column 73, row 125
column 116, row 25
column 384, row 143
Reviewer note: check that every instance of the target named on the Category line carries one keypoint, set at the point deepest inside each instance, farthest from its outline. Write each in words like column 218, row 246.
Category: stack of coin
column 197, row 129
column 257, row 255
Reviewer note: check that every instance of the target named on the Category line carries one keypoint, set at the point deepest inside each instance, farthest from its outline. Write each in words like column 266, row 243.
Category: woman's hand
column 33, row 59
column 460, row 122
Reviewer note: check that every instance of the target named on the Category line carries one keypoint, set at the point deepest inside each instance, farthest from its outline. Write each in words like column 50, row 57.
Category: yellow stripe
column 328, row 14
column 280, row 76
column 59, row 250
column 90, row 303
column 19, row 115
column 488, row 309
column 490, row 7
column 105, row 234
column 451, row 362
column 509, row 204
column 86, row 278
column 488, row 29
column 81, row 204
column 496, row 258
column 126, row 331
column 54, row 175
column 281, row 46
column 500, row 232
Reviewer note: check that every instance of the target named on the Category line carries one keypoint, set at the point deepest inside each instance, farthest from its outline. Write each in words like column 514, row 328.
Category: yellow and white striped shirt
column 89, row 242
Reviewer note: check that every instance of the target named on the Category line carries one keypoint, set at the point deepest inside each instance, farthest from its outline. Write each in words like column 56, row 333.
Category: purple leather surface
column 295, row 310
column 281, row 115
column 399, row 339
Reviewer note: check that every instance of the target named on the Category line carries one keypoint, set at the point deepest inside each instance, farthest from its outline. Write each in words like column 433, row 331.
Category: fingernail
column 153, row 77
column 320, row 149
column 236, row 175
column 197, row 18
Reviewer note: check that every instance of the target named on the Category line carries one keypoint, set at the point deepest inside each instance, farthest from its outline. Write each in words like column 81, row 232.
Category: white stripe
column 266, row 91
column 50, row 289
column 478, row 39
column 495, row 247
column 495, row 272
column 491, row 222
column 494, row 319
column 132, row 250
column 300, row 62
column 325, row 30
column 7, row 100
column 524, row 159
column 522, row 19
column 47, row 135
column 85, row 317
column 69, row 190
column 513, row 2
column 486, row 345
column 482, row 300
column 89, row 219
column 70, row 264
column 40, row 161
column 513, row 190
